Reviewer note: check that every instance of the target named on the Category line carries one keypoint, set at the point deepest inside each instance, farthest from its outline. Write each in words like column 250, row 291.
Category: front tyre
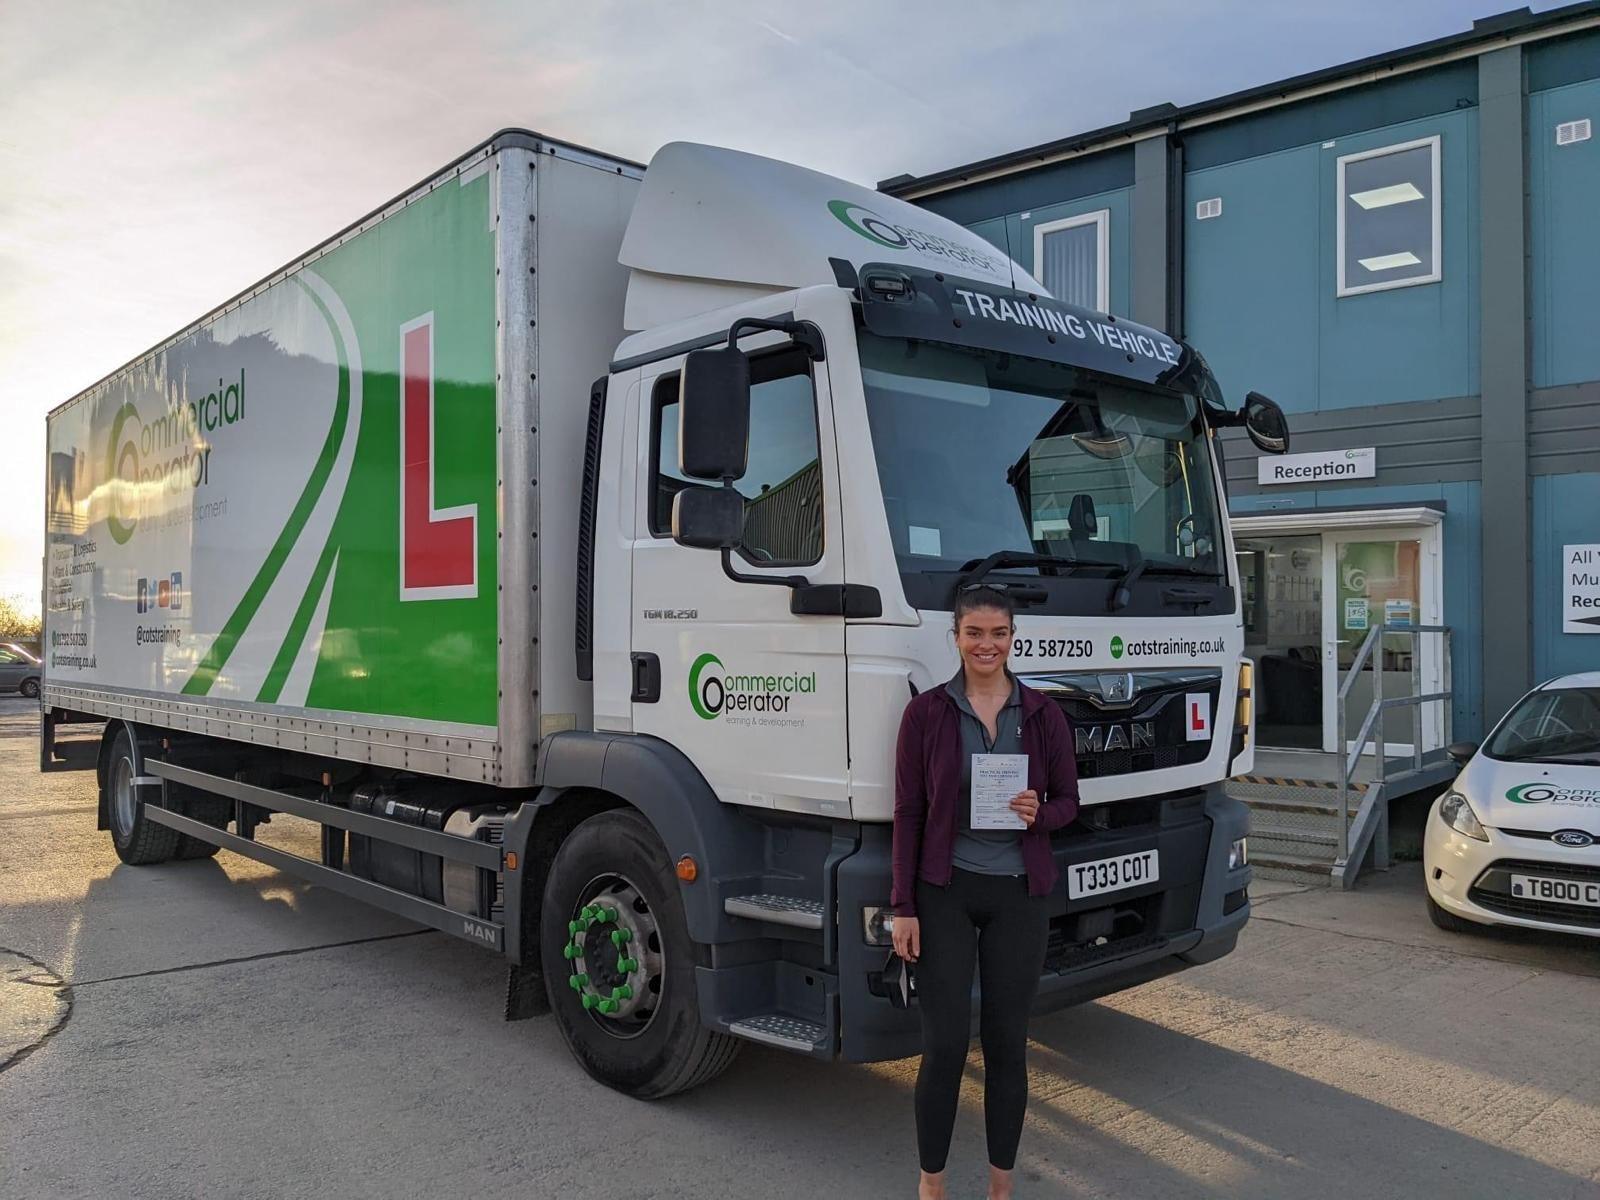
column 138, row 840
column 1445, row 919
column 620, row 965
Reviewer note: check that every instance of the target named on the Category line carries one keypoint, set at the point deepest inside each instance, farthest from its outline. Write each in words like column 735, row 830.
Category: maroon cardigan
column 927, row 791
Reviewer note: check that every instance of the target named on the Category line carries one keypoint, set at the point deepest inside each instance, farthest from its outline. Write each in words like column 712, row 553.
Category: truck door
column 753, row 694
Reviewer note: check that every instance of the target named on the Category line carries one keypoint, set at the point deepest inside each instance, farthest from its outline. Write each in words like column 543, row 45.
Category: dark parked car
column 19, row 670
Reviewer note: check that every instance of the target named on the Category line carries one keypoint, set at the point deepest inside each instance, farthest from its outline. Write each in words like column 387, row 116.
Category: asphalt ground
column 213, row 1029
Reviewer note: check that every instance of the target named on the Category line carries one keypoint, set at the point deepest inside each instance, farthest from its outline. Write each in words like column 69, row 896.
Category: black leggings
column 993, row 920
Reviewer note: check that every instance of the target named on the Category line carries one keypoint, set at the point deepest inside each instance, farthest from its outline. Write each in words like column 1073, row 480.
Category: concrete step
column 1296, row 801
column 1302, row 823
column 1293, row 868
column 1254, row 789
column 1315, row 845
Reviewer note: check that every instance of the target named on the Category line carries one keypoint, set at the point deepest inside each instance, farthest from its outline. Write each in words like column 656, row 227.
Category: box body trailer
column 324, row 498
column 412, row 540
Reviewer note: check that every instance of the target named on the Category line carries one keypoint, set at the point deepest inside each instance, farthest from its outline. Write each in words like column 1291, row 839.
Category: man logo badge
column 479, row 933
column 1116, row 688
column 1576, row 838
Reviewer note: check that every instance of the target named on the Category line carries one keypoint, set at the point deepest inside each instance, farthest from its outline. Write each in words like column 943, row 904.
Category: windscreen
column 1561, row 725
column 981, row 451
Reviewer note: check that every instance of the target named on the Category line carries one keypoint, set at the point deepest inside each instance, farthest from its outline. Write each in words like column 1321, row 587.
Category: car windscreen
column 1556, row 725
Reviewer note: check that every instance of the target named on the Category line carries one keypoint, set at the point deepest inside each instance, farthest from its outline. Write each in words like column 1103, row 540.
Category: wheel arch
column 582, row 773
column 139, row 739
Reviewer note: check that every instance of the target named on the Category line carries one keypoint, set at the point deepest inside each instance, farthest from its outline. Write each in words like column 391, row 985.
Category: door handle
column 646, row 677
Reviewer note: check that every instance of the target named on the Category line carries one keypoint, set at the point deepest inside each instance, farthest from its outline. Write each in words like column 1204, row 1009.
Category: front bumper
column 1470, row 878
column 1192, row 915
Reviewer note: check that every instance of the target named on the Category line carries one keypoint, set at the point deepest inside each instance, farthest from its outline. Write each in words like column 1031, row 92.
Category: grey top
column 986, row 851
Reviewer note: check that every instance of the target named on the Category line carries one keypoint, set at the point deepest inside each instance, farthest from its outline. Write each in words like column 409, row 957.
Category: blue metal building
column 1404, row 252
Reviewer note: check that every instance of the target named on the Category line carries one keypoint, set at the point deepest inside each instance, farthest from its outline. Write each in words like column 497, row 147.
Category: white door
column 1372, row 577
column 753, row 694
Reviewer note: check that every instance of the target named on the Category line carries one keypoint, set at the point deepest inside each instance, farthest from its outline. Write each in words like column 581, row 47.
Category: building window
column 1389, row 217
column 1071, row 258
column 782, row 484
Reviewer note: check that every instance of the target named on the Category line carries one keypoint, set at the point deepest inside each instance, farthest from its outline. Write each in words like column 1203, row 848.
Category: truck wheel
column 30, row 688
column 205, row 808
column 137, row 840
column 619, row 963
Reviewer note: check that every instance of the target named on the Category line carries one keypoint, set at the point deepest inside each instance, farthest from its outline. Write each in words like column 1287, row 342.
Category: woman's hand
column 1026, row 805
column 907, row 938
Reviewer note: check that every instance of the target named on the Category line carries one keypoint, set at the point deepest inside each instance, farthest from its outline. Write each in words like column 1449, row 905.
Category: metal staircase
column 1318, row 817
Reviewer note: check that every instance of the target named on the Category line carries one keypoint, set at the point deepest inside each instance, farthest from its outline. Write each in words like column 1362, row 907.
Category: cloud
column 155, row 159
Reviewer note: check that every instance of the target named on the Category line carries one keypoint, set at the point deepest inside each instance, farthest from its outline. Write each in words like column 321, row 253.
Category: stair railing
column 1370, row 824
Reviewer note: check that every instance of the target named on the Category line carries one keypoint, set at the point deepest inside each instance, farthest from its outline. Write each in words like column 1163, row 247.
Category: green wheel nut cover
column 590, row 915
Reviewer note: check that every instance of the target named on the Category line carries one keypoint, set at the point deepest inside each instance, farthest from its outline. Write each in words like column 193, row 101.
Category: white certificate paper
column 996, row 780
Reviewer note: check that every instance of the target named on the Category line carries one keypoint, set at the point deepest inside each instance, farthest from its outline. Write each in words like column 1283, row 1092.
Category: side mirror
column 714, row 414
column 706, row 518
column 1264, row 421
column 1461, row 752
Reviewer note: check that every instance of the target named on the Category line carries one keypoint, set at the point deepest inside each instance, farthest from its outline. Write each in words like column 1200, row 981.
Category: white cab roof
column 714, row 227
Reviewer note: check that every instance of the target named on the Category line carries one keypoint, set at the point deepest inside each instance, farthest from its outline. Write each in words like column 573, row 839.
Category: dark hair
column 981, row 596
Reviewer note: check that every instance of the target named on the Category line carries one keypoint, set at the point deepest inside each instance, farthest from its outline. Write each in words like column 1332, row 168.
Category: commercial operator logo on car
column 1545, row 793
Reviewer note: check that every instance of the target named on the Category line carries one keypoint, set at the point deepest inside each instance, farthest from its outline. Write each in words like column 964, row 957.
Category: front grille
column 1126, row 722
column 1493, row 892
column 1549, row 869
column 1539, row 835
column 1536, row 910
column 1065, row 959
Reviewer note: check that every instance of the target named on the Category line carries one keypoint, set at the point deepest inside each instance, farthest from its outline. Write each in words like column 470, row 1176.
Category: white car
column 1516, row 839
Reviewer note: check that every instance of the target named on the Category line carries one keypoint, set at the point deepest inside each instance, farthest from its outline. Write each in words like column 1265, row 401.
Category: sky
column 157, row 157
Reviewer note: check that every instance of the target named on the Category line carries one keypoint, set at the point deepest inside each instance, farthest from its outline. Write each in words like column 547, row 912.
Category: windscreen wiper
column 1122, row 589
column 975, row 569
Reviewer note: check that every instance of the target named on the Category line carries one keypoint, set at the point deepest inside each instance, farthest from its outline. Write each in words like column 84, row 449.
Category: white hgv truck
column 565, row 538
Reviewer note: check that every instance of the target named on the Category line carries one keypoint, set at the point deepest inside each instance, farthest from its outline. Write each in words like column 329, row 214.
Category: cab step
column 795, row 911
column 782, row 1031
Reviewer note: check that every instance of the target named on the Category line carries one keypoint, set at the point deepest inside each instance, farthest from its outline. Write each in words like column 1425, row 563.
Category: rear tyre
column 30, row 688
column 204, row 808
column 189, row 847
column 1447, row 920
column 138, row 840
column 611, row 902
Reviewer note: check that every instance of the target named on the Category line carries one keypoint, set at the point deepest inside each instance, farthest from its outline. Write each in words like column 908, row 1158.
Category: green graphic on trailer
column 429, row 651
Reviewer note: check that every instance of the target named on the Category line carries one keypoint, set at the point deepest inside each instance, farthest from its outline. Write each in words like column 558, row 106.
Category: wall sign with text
column 1580, row 588
column 1321, row 466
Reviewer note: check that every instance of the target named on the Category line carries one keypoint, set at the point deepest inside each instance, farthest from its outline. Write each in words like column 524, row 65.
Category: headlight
column 1238, row 854
column 1242, row 707
column 877, row 925
column 1455, row 812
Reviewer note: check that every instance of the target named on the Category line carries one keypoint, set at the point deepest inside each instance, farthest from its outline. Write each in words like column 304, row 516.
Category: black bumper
column 1098, row 945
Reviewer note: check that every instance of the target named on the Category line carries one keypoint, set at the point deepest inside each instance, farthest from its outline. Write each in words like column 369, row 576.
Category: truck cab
column 796, row 485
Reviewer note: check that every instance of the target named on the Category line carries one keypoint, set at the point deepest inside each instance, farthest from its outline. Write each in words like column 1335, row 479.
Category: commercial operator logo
column 875, row 229
column 1545, row 793
column 714, row 692
column 165, row 454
